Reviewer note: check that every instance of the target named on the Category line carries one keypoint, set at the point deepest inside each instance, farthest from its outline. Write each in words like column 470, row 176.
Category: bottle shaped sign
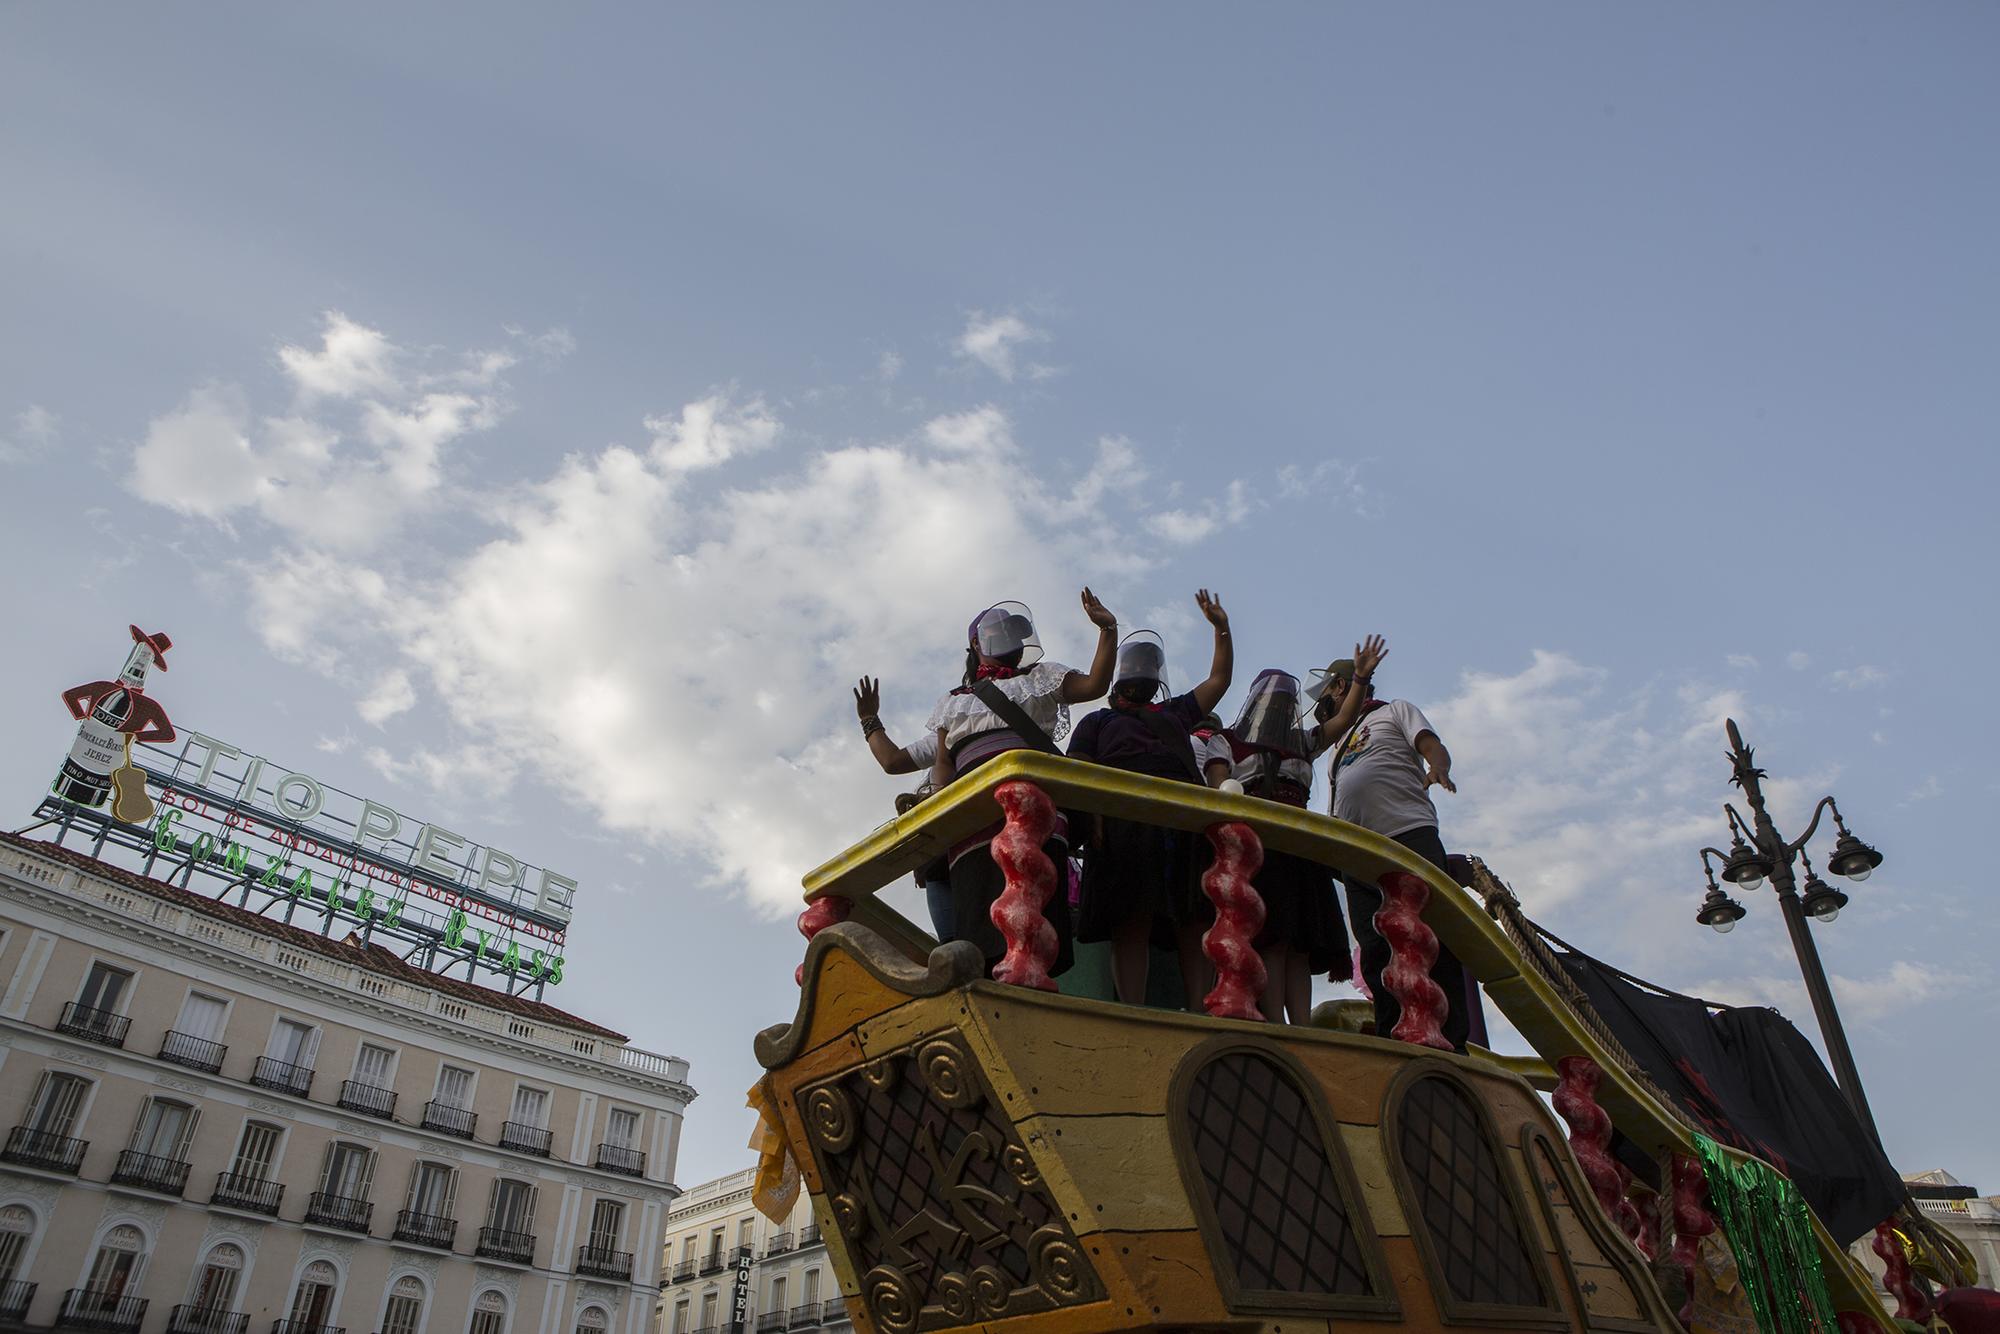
column 111, row 711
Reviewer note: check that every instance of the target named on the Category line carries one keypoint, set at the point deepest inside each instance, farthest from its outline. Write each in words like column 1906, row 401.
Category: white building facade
column 789, row 1285
column 217, row 1123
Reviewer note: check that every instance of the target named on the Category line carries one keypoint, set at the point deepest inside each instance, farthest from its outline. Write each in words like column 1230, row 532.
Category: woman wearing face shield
column 1304, row 930
column 1009, row 699
column 1139, row 880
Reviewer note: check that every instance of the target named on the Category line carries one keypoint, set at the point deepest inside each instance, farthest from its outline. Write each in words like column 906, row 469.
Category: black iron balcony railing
column 809, row 1235
column 305, row 1327
column 426, row 1229
column 15, row 1299
column 80, row 1021
column 150, row 1172
column 770, row 1321
column 711, row 1262
column 194, row 1053
column 779, row 1243
column 802, row 1317
column 834, row 1308
column 271, row 1073
column 618, row 1158
column 740, row 1253
column 345, row 1212
column 525, row 1139
column 451, row 1120
column 235, row 1191
column 190, row 1319
column 497, row 1243
column 102, row 1310
column 367, row 1099
column 38, row 1148
column 685, row 1270
column 603, row 1262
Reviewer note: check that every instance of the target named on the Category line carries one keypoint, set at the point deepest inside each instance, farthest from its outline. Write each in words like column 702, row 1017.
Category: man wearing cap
column 1381, row 774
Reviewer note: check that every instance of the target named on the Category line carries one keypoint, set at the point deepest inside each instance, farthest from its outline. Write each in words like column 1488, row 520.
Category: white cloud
column 1742, row 661
column 711, row 432
column 1334, row 478
column 888, row 366
column 981, row 429
column 1905, row 983
column 352, row 360
column 392, row 694
column 36, row 431
column 1186, row 526
column 1927, row 790
column 1859, row 677
column 198, row 459
column 991, row 341
column 1798, row 660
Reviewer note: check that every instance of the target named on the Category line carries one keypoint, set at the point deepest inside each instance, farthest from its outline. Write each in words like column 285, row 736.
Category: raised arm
column 893, row 758
column 1222, row 664
column 1078, row 686
column 1368, row 656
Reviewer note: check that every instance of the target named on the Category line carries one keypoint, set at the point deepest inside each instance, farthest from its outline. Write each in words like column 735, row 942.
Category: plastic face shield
column 1006, row 628
column 1142, row 658
column 1269, row 710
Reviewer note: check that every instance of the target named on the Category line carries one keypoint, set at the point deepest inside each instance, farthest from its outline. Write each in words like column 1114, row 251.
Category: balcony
column 255, row 1194
column 37, row 1148
column 525, row 1139
column 194, row 1053
column 618, row 1158
column 779, row 1243
column 770, row 1322
column 102, row 1026
column 832, row 1311
column 685, row 1270
column 101, row 1310
column 740, row 1253
column 305, row 1327
column 15, row 1298
column 450, row 1120
column 497, row 1243
column 425, row 1229
column 206, row 1320
column 271, row 1073
column 802, row 1317
column 602, row 1262
column 367, row 1099
column 809, row 1235
column 343, row 1212
column 169, row 1176
column 712, row 1262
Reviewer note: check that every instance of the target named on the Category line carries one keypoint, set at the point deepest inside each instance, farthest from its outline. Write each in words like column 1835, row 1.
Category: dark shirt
column 1121, row 740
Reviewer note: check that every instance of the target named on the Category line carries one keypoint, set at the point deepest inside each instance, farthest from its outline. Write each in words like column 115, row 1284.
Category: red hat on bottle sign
column 159, row 643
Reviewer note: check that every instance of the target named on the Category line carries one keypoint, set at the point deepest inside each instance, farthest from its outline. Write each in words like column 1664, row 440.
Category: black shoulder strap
column 1012, row 714
column 1174, row 738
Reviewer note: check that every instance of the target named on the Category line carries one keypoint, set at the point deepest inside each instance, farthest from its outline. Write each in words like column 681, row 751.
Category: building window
column 512, row 1207
column 607, row 1220
column 531, row 1107
column 454, row 1087
column 57, row 1104
column 622, row 1131
column 375, row 1066
column 715, row 1246
column 812, row 1287
column 116, row 1268
column 591, row 1320
column 103, row 987
column 202, row 1017
column 405, row 1311
column 165, row 1129
column 489, row 1314
column 256, row 1152
column 743, row 1233
column 777, row 1294
column 312, row 1301
column 681, row 1316
column 707, row 1310
column 433, row 1189
column 17, row 1228
column 348, row 1170
column 215, row 1285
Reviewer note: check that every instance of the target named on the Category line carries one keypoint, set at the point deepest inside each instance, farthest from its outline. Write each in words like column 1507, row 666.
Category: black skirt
column 976, row 881
column 1301, row 911
column 1138, row 868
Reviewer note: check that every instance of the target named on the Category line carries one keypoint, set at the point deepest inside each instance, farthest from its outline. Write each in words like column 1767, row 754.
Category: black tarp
column 1753, row 1082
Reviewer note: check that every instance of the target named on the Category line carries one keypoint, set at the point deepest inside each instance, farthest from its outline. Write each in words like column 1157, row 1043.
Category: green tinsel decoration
column 1770, row 1231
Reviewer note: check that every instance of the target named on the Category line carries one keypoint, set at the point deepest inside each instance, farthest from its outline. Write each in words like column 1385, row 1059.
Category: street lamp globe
column 1719, row 912
column 1852, row 858
column 1746, row 867
column 1822, row 902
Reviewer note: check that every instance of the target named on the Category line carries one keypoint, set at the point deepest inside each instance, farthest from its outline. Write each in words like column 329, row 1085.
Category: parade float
column 991, row 1153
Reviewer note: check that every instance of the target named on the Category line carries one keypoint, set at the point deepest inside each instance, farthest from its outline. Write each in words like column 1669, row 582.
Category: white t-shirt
column 1377, row 774
column 1216, row 747
column 923, row 751
column 1038, row 691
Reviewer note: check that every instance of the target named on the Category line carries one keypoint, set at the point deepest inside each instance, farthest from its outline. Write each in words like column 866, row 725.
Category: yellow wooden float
column 987, row 1155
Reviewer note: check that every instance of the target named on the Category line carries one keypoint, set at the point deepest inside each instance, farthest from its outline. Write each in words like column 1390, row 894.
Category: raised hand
column 868, row 697
column 1368, row 655
column 1211, row 607
column 1100, row 616
column 1442, row 778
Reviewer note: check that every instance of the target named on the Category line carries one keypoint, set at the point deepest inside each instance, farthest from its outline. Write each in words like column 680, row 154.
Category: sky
column 535, row 418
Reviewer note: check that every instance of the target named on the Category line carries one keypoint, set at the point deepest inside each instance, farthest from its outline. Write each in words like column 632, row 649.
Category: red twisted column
column 820, row 914
column 1590, row 1135
column 1692, row 1222
column 1031, row 879
column 1413, row 949
column 1239, row 915
column 1645, row 1206
column 1897, row 1280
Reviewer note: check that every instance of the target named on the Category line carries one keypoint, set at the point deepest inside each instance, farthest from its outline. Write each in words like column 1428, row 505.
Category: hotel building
column 789, row 1284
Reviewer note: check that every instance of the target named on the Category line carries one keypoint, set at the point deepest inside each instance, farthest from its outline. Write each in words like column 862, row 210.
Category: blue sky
column 537, row 419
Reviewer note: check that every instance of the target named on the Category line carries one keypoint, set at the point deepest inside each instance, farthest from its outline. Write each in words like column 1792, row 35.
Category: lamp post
column 1758, row 852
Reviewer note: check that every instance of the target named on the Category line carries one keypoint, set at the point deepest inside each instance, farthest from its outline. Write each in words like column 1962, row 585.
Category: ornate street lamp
column 1758, row 853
